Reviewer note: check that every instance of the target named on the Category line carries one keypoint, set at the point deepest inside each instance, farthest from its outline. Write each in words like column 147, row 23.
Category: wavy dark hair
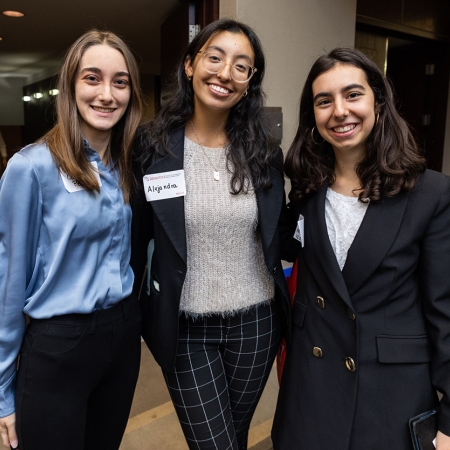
column 252, row 150
column 392, row 162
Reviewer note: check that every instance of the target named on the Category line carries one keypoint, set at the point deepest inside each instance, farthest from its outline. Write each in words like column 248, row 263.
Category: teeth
column 219, row 89
column 344, row 129
column 103, row 110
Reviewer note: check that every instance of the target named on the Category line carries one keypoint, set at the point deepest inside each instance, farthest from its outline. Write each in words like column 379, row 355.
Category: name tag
column 164, row 185
column 72, row 185
column 300, row 230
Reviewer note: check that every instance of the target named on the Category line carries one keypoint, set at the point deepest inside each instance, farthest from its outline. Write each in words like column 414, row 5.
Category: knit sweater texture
column 226, row 271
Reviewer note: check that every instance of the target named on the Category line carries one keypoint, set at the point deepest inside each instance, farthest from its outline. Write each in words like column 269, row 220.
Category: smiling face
column 344, row 107
column 102, row 90
column 219, row 92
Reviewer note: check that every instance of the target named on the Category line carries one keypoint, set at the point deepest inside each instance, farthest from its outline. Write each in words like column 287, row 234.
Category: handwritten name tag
column 164, row 185
column 72, row 185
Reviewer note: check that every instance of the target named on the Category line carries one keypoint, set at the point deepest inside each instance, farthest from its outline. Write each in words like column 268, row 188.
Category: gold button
column 351, row 314
column 317, row 352
column 320, row 302
column 350, row 364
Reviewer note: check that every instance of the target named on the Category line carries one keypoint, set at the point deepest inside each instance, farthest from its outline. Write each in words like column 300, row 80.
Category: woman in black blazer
column 371, row 317
column 214, row 189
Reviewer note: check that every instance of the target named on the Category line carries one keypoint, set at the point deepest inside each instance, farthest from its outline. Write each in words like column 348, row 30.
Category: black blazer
column 382, row 325
column 164, row 221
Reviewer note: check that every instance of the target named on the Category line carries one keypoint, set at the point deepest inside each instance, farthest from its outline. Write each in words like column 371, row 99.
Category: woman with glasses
column 212, row 317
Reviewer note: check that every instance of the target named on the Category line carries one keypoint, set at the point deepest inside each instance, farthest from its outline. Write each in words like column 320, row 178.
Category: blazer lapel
column 373, row 239
column 269, row 203
column 170, row 212
column 316, row 235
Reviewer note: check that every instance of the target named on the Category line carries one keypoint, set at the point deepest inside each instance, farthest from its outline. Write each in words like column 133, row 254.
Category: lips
column 103, row 110
column 219, row 89
column 344, row 128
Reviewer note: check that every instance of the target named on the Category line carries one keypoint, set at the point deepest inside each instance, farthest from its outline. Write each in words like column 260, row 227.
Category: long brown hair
column 65, row 139
column 392, row 162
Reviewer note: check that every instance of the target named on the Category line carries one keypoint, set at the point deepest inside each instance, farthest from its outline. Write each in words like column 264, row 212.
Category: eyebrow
column 97, row 70
column 343, row 90
column 220, row 50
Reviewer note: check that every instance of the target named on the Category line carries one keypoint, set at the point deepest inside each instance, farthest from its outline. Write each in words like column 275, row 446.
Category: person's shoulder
column 432, row 180
column 432, row 189
column 35, row 157
column 36, row 153
column 276, row 158
column 430, row 174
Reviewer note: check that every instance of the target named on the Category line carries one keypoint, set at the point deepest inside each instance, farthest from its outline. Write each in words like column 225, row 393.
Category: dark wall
column 39, row 114
column 429, row 18
column 12, row 135
column 175, row 35
column 419, row 72
column 419, row 67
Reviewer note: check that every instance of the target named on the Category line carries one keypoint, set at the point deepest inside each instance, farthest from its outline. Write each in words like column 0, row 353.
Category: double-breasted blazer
column 164, row 221
column 371, row 343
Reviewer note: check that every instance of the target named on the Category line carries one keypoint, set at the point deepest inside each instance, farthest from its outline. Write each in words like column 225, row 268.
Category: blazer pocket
column 298, row 314
column 404, row 349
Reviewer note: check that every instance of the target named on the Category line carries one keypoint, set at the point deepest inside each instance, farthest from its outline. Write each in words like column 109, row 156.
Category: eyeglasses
column 213, row 62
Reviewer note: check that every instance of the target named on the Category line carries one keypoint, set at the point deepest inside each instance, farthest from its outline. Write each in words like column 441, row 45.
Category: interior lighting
column 38, row 95
column 13, row 13
column 53, row 92
column 26, row 98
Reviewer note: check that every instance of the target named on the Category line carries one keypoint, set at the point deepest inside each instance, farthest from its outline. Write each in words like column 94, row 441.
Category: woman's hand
column 442, row 441
column 8, row 431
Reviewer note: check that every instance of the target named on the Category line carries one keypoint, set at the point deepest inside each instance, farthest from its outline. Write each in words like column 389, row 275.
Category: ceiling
column 35, row 44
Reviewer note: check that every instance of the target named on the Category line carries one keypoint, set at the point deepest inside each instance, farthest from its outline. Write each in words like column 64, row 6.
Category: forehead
column 338, row 77
column 103, row 55
column 230, row 43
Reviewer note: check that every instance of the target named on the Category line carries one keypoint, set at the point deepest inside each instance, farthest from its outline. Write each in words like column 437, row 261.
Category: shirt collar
column 94, row 156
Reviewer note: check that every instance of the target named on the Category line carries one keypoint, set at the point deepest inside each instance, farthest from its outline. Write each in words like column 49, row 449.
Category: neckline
column 198, row 145
column 346, row 198
column 338, row 194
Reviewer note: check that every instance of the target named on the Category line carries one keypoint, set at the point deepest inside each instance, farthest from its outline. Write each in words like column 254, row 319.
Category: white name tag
column 164, row 185
column 73, row 185
column 300, row 230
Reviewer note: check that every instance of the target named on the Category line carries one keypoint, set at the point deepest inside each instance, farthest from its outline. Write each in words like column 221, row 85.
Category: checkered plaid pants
column 222, row 366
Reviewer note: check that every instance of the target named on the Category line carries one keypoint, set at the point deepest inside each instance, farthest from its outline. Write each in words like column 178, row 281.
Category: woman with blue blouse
column 64, row 262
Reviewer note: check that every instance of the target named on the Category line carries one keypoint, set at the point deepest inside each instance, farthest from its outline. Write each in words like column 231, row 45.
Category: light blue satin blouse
column 60, row 252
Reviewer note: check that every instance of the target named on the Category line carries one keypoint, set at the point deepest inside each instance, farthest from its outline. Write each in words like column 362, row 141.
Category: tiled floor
column 153, row 424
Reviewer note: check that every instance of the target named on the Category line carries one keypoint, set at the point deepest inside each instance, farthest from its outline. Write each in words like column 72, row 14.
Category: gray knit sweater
column 226, row 271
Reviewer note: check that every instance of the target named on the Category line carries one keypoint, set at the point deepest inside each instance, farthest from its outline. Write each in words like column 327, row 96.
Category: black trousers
column 76, row 379
column 222, row 366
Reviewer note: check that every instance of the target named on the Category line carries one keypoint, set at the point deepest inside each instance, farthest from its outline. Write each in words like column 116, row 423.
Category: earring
column 188, row 77
column 245, row 93
column 312, row 136
column 377, row 117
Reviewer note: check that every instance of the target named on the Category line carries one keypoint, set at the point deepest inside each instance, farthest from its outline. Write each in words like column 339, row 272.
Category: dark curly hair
column 252, row 150
column 392, row 162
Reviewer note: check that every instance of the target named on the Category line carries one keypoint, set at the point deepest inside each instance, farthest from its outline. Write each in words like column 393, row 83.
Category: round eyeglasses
column 214, row 62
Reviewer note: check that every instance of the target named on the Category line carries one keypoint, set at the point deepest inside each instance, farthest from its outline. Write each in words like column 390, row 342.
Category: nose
column 225, row 73
column 340, row 109
column 105, row 94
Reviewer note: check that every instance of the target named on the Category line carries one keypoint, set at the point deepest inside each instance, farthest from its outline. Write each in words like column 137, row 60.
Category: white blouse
column 343, row 216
